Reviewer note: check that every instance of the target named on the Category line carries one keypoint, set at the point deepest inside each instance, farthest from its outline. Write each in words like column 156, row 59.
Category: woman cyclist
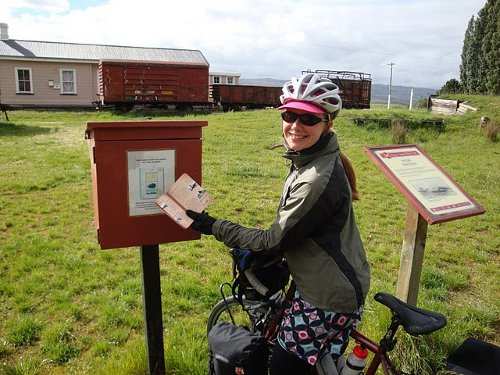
column 314, row 229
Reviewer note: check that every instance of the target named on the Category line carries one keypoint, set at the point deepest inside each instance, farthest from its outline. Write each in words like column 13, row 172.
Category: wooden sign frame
column 427, row 187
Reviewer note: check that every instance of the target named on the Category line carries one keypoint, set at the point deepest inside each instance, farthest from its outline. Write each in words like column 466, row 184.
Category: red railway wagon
column 354, row 87
column 127, row 83
column 239, row 96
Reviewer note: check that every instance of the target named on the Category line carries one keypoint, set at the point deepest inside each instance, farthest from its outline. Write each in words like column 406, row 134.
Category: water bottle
column 355, row 363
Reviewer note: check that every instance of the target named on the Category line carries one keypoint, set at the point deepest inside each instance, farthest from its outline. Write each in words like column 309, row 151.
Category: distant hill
column 399, row 94
column 262, row 82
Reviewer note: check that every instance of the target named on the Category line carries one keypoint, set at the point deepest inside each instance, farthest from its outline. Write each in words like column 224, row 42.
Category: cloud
column 274, row 39
column 35, row 6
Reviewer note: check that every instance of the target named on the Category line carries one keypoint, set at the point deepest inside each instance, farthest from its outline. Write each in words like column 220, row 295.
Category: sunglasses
column 306, row 118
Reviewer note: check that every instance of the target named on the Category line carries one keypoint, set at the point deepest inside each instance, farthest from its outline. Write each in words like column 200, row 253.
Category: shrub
column 398, row 131
column 422, row 103
column 451, row 87
column 491, row 130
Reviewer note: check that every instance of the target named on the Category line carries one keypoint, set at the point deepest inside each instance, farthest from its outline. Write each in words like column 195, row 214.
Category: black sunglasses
column 306, row 118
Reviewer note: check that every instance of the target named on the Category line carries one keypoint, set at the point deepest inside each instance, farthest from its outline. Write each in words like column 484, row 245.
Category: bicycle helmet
column 313, row 89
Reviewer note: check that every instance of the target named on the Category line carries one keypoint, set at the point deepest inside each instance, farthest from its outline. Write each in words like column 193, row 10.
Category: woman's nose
column 297, row 123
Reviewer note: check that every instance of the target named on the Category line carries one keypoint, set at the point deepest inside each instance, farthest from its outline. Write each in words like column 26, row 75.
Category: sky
column 268, row 38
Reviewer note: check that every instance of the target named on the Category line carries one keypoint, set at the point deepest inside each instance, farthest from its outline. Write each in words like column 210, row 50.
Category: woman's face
column 299, row 136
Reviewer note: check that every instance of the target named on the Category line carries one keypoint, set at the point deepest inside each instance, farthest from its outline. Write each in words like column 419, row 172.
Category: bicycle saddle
column 414, row 320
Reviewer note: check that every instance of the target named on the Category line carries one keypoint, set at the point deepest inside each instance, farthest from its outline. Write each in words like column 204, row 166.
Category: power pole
column 390, row 86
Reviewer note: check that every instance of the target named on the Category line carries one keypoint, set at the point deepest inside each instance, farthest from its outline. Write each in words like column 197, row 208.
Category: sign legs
column 150, row 262
column 412, row 256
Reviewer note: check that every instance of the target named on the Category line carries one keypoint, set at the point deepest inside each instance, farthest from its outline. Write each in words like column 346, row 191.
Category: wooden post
column 412, row 256
column 150, row 261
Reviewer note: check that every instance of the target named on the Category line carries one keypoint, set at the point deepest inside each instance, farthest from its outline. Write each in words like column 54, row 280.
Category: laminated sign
column 433, row 193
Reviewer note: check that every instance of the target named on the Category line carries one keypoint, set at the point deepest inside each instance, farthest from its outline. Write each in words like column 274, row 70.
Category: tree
column 491, row 48
column 480, row 66
column 451, row 87
column 466, row 65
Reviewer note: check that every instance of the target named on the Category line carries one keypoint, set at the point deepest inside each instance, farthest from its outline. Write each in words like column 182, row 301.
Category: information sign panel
column 433, row 193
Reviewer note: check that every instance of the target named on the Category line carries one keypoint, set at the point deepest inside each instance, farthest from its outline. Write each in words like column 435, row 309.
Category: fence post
column 412, row 256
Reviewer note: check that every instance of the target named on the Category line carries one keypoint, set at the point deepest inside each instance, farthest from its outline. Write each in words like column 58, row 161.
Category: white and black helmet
column 311, row 87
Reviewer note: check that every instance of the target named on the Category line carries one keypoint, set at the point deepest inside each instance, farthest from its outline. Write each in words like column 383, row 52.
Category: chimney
column 4, row 31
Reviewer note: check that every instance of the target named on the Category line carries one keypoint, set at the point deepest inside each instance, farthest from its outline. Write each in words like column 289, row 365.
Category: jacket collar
column 327, row 144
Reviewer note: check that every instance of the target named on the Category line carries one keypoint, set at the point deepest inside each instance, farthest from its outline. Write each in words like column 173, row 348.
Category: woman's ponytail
column 351, row 176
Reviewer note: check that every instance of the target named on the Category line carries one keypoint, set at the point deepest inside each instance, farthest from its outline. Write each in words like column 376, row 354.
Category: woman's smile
column 299, row 136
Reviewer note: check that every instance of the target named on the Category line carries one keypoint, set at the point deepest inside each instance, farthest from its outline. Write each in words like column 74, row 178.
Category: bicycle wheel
column 250, row 315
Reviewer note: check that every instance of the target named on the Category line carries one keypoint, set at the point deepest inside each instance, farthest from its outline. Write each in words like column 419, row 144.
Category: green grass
column 68, row 307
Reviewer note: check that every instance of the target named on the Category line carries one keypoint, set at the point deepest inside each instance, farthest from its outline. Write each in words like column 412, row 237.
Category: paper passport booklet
column 184, row 194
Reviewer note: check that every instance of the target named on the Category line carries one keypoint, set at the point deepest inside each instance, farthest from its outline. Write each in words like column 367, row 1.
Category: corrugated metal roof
column 94, row 52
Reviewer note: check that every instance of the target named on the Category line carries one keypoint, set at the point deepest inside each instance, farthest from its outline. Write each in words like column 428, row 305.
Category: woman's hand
column 202, row 223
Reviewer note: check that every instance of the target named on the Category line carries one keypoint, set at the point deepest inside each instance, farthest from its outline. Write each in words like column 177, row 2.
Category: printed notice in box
column 432, row 191
column 149, row 174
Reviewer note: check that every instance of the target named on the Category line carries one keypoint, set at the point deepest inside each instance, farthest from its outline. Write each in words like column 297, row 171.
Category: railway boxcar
column 239, row 96
column 355, row 87
column 127, row 83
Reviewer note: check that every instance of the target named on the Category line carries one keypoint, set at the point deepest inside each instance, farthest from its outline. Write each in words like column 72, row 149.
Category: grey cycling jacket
column 314, row 229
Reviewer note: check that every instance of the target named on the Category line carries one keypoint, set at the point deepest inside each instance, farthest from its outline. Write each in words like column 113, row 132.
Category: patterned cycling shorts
column 306, row 330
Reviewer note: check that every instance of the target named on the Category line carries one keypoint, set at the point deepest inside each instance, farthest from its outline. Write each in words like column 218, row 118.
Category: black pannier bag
column 475, row 357
column 234, row 346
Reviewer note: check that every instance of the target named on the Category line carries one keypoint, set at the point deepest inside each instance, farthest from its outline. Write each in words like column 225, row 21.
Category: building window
column 24, row 84
column 230, row 80
column 216, row 79
column 98, row 84
column 68, row 81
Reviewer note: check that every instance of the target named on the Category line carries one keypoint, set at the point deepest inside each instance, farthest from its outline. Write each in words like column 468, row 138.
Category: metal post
column 411, row 99
column 150, row 262
column 390, row 86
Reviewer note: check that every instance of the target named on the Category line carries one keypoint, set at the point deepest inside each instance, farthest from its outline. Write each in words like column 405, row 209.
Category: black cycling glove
column 202, row 223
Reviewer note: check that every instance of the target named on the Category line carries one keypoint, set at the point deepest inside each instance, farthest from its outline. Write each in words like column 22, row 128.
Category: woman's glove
column 202, row 223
